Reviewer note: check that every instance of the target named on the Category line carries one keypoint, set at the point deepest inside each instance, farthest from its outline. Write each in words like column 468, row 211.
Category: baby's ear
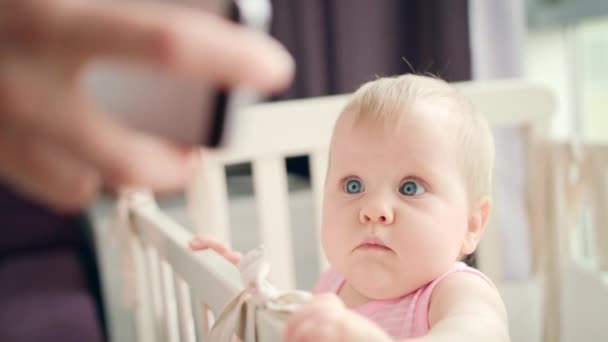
column 478, row 220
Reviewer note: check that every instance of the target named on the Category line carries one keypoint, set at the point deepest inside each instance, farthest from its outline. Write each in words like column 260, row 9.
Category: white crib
column 166, row 292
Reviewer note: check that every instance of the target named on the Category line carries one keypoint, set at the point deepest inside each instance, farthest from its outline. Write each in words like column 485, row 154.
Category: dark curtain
column 340, row 44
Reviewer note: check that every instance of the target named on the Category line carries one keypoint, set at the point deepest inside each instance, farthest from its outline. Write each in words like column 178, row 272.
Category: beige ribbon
column 239, row 316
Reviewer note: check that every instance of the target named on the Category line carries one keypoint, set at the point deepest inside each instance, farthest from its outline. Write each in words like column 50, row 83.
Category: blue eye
column 353, row 186
column 412, row 188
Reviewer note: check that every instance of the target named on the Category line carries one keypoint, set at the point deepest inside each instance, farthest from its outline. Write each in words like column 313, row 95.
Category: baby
column 407, row 195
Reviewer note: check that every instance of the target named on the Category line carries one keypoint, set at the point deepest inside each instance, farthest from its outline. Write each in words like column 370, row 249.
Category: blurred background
column 566, row 48
column 47, row 259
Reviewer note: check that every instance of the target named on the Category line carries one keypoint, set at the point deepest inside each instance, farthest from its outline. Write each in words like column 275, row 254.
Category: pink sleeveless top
column 402, row 317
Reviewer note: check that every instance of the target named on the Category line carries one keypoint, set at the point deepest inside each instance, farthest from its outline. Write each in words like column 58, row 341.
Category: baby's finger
column 324, row 332
column 309, row 312
column 205, row 242
column 233, row 257
column 299, row 330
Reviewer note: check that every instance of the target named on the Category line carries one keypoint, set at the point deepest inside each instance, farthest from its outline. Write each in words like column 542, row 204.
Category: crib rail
column 178, row 291
column 306, row 124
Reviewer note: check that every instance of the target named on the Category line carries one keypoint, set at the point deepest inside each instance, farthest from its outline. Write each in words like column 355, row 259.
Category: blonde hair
column 385, row 101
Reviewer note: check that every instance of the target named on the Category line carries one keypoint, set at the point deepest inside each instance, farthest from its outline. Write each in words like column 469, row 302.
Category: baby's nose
column 382, row 214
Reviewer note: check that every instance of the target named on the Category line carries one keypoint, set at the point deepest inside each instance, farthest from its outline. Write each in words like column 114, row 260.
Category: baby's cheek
column 330, row 238
column 433, row 254
column 334, row 243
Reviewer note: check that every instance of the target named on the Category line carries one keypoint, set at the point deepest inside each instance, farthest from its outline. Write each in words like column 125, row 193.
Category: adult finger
column 122, row 156
column 46, row 171
column 189, row 42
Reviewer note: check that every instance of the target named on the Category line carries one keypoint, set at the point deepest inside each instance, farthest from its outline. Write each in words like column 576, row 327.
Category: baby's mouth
column 373, row 243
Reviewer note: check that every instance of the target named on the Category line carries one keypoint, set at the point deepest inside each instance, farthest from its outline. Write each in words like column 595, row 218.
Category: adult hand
column 55, row 144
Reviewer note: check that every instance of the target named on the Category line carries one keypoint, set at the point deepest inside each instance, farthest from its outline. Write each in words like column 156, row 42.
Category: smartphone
column 183, row 111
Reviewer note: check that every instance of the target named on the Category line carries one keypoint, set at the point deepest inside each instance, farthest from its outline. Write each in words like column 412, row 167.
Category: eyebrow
column 424, row 168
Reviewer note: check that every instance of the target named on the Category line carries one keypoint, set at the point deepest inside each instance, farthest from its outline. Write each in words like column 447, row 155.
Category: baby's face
column 395, row 208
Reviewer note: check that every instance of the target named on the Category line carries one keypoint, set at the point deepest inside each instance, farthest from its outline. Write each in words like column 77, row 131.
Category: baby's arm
column 466, row 308
column 205, row 242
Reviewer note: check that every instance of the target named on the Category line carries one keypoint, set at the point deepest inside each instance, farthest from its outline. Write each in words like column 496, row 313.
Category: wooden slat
column 211, row 277
column 145, row 317
column 169, row 302
column 599, row 184
column 207, row 320
column 154, row 280
column 270, row 186
column 208, row 201
column 318, row 169
column 556, row 236
column 200, row 315
column 184, row 310
column 213, row 280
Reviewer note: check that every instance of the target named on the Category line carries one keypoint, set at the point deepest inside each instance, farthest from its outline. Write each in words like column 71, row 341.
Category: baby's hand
column 327, row 319
column 205, row 242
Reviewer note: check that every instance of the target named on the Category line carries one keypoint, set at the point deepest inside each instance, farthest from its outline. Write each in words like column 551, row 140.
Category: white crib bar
column 153, row 271
column 599, row 161
column 318, row 168
column 200, row 317
column 208, row 201
column 145, row 314
column 184, row 310
column 271, row 194
column 212, row 279
column 600, row 233
column 169, row 302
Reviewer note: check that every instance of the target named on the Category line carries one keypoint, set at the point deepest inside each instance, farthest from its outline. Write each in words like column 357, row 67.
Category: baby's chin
column 377, row 283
